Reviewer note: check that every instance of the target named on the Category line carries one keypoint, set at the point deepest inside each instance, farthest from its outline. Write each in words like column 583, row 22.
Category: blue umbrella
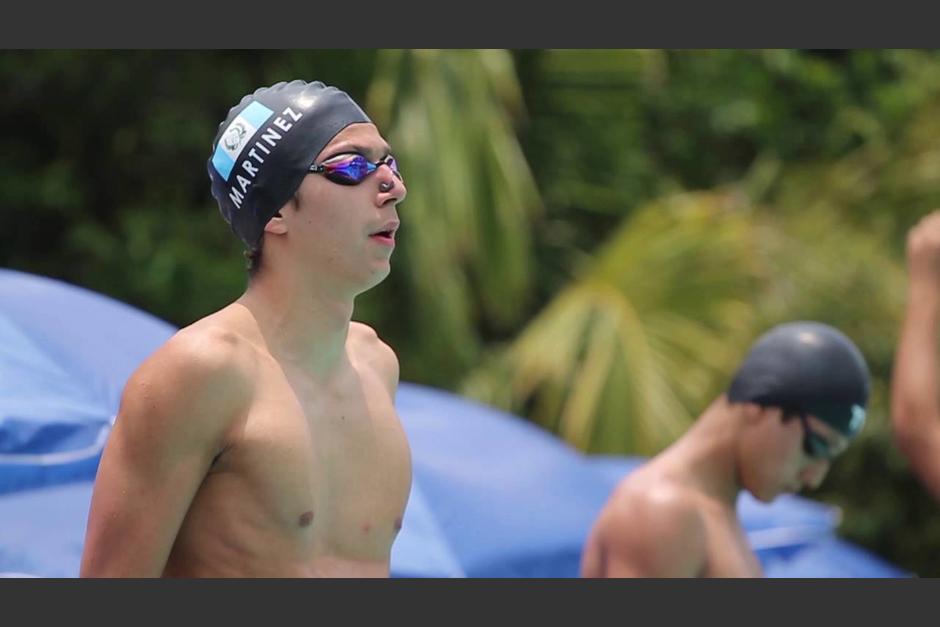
column 510, row 499
column 65, row 353
column 42, row 530
column 493, row 495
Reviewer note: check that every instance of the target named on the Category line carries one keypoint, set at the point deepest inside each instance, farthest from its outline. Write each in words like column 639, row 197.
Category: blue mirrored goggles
column 353, row 169
column 815, row 445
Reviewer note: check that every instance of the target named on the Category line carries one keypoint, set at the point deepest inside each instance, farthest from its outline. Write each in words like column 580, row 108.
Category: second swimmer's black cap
column 806, row 367
column 266, row 145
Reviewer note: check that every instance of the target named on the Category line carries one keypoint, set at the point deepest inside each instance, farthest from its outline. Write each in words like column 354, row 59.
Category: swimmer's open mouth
column 388, row 230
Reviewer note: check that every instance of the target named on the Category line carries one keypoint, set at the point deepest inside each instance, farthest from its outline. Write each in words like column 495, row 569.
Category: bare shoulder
column 369, row 349
column 658, row 506
column 656, row 528
column 197, row 382
column 206, row 358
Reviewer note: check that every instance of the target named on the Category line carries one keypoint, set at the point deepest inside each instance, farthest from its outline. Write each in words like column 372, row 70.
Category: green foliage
column 628, row 354
column 466, row 240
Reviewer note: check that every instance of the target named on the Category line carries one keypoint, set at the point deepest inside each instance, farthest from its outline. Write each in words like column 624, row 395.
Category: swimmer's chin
column 768, row 497
column 377, row 277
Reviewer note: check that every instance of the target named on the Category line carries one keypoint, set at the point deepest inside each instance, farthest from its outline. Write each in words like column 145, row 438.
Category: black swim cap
column 266, row 145
column 806, row 367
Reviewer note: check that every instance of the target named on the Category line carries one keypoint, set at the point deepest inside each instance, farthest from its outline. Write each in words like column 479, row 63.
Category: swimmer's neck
column 300, row 324
column 706, row 452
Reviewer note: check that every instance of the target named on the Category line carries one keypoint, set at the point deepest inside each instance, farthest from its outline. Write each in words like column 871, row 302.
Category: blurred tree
column 466, row 234
column 623, row 358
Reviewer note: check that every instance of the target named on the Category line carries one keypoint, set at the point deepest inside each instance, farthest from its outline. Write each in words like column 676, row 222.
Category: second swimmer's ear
column 752, row 412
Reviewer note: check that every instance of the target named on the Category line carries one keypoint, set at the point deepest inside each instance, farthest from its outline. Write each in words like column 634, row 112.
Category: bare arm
column 915, row 398
column 174, row 415
column 660, row 534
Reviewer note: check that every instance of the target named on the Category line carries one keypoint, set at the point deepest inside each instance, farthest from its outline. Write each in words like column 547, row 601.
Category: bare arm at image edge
column 915, row 405
column 174, row 414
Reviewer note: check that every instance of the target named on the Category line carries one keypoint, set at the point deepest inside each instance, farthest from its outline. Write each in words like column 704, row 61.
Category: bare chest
column 325, row 468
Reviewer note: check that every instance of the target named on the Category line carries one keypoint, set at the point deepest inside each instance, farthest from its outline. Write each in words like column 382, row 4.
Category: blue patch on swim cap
column 858, row 419
column 237, row 135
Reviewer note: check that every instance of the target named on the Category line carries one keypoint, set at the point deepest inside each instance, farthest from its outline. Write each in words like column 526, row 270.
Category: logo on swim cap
column 236, row 137
column 858, row 419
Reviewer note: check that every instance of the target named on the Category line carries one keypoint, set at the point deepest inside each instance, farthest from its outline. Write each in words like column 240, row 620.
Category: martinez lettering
column 266, row 142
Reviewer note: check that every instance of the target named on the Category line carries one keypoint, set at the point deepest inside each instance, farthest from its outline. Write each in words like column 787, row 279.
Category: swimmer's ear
column 276, row 225
column 753, row 412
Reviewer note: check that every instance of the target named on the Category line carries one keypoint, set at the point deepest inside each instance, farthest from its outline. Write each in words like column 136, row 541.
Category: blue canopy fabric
column 65, row 354
column 493, row 495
